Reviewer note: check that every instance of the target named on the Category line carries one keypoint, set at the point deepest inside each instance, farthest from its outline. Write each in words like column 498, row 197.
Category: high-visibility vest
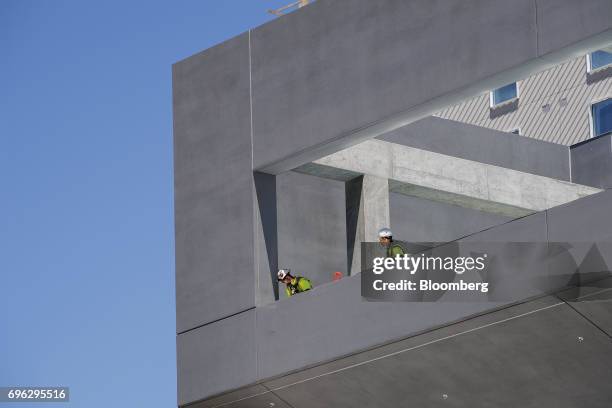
column 301, row 285
column 395, row 249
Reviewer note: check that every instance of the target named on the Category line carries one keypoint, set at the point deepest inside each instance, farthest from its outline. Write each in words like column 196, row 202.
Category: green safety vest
column 297, row 285
column 394, row 250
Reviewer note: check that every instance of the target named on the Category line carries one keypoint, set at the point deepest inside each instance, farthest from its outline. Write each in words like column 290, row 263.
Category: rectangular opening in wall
column 600, row 59
column 504, row 94
column 601, row 114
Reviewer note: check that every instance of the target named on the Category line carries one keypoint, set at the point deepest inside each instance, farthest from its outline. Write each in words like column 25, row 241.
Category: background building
column 555, row 105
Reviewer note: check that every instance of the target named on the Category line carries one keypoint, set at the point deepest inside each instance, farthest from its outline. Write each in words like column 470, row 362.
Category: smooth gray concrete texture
column 338, row 72
column 587, row 228
column 470, row 202
column 256, row 396
column 592, row 162
column 330, row 69
column 593, row 301
column 353, row 194
column 484, row 145
column 311, row 227
column 266, row 238
column 332, row 321
column 542, row 353
column 213, row 185
column 216, row 357
column 367, row 211
column 587, row 219
column 535, row 360
column 415, row 219
column 454, row 180
column 517, row 271
column 561, row 21
column 531, row 228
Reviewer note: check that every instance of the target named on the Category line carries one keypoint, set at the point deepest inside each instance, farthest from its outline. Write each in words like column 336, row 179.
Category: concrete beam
column 367, row 200
column 452, row 180
column 339, row 72
column 485, row 145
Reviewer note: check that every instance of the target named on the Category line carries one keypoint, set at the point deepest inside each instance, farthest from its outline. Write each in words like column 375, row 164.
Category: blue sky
column 86, row 225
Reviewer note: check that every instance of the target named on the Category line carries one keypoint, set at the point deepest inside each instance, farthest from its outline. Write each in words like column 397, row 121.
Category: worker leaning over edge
column 294, row 284
column 385, row 237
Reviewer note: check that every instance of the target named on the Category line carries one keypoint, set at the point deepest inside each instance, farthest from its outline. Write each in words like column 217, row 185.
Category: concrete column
column 367, row 210
column 266, row 238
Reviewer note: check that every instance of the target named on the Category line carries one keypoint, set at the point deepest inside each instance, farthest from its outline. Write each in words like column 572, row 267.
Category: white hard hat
column 282, row 273
column 385, row 233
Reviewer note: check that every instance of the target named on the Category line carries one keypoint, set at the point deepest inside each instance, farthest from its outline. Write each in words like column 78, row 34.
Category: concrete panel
column 531, row 191
column 216, row 357
column 454, row 180
column 538, row 353
column 266, row 239
column 587, row 219
column 311, row 226
column 516, row 271
column 332, row 321
column 367, row 200
column 561, row 22
column 418, row 220
column 368, row 64
column 534, row 360
column 213, row 185
column 587, row 228
column 484, row 145
column 256, row 396
column 592, row 162
column 594, row 302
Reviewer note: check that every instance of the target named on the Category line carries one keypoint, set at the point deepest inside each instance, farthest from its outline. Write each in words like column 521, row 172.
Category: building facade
column 555, row 105
column 295, row 141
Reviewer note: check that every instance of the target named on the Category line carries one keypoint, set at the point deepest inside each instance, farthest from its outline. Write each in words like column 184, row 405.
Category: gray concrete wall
column 332, row 320
column 213, row 185
column 340, row 71
column 415, row 219
column 449, row 179
column 311, row 227
column 216, row 357
column 305, row 85
column 484, row 145
column 546, row 353
column 592, row 162
column 366, row 75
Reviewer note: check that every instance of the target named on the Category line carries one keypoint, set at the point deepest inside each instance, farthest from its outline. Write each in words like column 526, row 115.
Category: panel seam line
column 272, row 390
column 215, row 321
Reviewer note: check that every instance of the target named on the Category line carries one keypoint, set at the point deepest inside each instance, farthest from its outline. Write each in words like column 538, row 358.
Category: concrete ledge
column 484, row 145
column 338, row 72
column 450, row 179
column 592, row 162
column 332, row 320
column 501, row 359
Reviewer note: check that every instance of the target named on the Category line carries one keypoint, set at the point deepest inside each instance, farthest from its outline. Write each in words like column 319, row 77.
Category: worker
column 385, row 237
column 294, row 284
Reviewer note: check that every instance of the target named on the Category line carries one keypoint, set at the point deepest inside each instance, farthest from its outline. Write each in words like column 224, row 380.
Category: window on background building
column 600, row 59
column 602, row 117
column 504, row 94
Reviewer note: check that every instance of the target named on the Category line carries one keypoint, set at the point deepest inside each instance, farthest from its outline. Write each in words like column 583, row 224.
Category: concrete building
column 296, row 141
